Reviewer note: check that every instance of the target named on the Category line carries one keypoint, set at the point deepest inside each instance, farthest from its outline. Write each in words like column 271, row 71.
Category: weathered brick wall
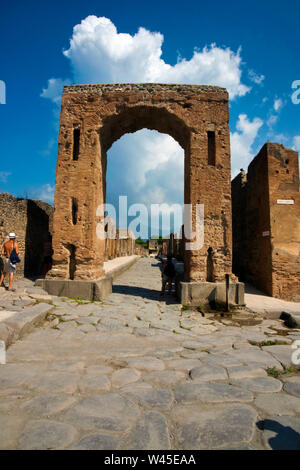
column 266, row 233
column 31, row 220
column 283, row 173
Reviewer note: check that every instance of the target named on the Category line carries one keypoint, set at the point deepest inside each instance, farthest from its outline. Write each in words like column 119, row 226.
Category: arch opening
column 148, row 167
column 130, row 120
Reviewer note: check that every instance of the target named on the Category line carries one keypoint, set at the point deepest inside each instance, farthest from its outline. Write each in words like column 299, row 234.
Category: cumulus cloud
column 242, row 141
column 99, row 54
column 54, row 89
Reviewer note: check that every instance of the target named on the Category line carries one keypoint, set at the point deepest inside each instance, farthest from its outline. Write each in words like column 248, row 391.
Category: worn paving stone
column 221, row 360
column 55, row 382
column 87, row 320
column 108, row 412
column 292, row 386
column 149, row 433
column 215, row 427
column 14, row 375
column 241, row 372
column 93, row 383
column 195, row 345
column 256, row 357
column 10, row 428
column 86, row 328
column 282, row 353
column 66, row 325
column 144, row 332
column 211, row 393
column 183, row 364
column 99, row 369
column 67, row 366
column 259, row 384
column 122, row 377
column 277, row 404
column 97, row 442
column 206, row 373
column 151, row 398
column 165, row 377
column 47, row 405
column 44, row 434
column 145, row 363
column 138, row 324
column 165, row 325
column 281, row 433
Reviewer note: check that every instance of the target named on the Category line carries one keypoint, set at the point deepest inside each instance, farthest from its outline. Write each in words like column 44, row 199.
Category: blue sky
column 252, row 48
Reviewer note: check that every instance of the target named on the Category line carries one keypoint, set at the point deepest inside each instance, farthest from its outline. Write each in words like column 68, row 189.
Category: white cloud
column 242, row 141
column 99, row 54
column 4, row 175
column 44, row 193
column 254, row 77
column 296, row 143
column 54, row 89
column 277, row 104
column 149, row 166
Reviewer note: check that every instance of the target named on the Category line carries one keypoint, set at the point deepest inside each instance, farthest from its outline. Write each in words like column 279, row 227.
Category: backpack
column 169, row 270
column 14, row 258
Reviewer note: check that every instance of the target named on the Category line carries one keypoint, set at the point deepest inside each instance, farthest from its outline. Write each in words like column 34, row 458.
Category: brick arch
column 134, row 118
column 93, row 117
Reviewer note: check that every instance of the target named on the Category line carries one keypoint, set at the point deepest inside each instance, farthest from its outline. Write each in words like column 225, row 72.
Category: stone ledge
column 86, row 290
column 121, row 87
column 118, row 270
column 83, row 289
column 207, row 293
column 22, row 322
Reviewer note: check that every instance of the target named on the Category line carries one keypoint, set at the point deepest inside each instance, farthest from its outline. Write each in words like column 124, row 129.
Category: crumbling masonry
column 93, row 117
column 266, row 222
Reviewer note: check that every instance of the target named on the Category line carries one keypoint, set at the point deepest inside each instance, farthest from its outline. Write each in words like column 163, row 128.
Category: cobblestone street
column 138, row 371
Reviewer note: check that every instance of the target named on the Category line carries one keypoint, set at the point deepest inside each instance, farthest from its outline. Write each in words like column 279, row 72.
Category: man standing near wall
column 9, row 269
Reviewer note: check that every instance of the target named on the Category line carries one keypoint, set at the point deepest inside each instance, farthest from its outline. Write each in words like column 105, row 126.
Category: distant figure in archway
column 168, row 273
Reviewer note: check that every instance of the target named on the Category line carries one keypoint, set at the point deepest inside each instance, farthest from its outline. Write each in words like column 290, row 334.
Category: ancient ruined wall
column 266, row 222
column 239, row 240
column 31, row 220
column 93, row 117
column 284, row 221
column 119, row 242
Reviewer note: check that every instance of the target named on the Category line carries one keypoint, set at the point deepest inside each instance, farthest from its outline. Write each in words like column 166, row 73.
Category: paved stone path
column 140, row 372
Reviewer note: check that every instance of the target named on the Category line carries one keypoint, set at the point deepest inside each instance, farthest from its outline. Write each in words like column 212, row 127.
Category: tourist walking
column 168, row 273
column 9, row 247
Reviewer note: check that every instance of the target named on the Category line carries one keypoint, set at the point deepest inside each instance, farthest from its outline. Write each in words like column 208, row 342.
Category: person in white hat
column 9, row 269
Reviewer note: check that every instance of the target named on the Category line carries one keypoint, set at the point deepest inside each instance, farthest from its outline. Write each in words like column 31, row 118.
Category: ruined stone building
column 266, row 222
column 92, row 118
column 260, row 211
column 31, row 220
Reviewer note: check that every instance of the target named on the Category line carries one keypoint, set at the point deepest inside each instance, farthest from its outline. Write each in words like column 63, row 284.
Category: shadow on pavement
column 145, row 293
column 286, row 437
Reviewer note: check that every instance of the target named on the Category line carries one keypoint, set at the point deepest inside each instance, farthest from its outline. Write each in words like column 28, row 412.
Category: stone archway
column 95, row 116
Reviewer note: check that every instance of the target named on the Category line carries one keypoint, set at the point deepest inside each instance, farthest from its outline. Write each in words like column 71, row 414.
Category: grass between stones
column 261, row 344
column 273, row 372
